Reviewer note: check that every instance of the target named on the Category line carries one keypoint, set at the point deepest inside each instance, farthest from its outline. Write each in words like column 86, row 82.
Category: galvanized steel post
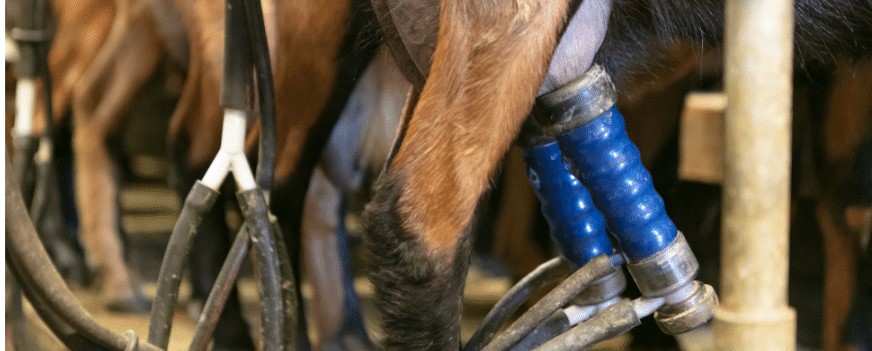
column 753, row 314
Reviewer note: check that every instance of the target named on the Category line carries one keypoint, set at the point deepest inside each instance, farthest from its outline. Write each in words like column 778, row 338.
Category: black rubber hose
column 265, row 92
column 614, row 320
column 67, row 335
column 292, row 341
column 268, row 271
column 356, row 51
column 24, row 147
column 22, row 32
column 546, row 273
column 236, row 87
column 224, row 285
column 33, row 265
column 266, row 158
column 15, row 314
column 220, row 291
column 197, row 205
column 597, row 268
column 555, row 325
column 42, row 70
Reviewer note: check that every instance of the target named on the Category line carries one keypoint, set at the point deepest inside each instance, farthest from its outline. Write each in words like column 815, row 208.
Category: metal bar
column 754, row 314
column 15, row 315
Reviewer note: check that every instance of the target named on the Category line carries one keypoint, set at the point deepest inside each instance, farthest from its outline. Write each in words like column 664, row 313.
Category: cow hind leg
column 334, row 306
column 844, row 209
column 489, row 62
column 97, row 192
column 106, row 90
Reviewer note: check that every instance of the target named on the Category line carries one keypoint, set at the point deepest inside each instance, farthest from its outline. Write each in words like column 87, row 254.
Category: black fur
column 638, row 30
column 420, row 302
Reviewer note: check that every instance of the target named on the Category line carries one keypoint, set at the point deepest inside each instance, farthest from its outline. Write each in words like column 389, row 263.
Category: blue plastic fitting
column 591, row 134
column 609, row 163
column 576, row 225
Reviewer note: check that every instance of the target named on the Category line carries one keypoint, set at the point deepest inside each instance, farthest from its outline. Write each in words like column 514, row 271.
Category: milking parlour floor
column 149, row 210
column 147, row 217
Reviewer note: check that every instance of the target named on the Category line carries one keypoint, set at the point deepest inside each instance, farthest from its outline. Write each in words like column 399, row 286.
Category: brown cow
column 96, row 44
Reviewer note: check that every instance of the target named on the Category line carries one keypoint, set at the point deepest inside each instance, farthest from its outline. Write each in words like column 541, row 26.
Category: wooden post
column 754, row 314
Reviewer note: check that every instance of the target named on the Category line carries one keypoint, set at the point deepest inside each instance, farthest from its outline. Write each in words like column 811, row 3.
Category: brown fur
column 96, row 45
column 451, row 165
column 848, row 116
column 489, row 62
column 307, row 36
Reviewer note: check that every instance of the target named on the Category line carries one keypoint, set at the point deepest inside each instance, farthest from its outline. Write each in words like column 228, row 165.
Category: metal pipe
column 546, row 273
column 15, row 314
column 754, row 314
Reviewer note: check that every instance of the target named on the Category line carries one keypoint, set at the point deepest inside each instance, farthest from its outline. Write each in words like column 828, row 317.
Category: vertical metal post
column 753, row 314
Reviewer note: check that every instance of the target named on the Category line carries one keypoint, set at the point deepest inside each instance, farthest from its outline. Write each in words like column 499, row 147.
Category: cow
column 489, row 63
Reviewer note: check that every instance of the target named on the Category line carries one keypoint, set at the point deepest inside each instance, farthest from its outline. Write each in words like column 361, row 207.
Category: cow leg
column 97, row 193
column 128, row 58
column 489, row 62
column 848, row 121
column 334, row 307
column 840, row 263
